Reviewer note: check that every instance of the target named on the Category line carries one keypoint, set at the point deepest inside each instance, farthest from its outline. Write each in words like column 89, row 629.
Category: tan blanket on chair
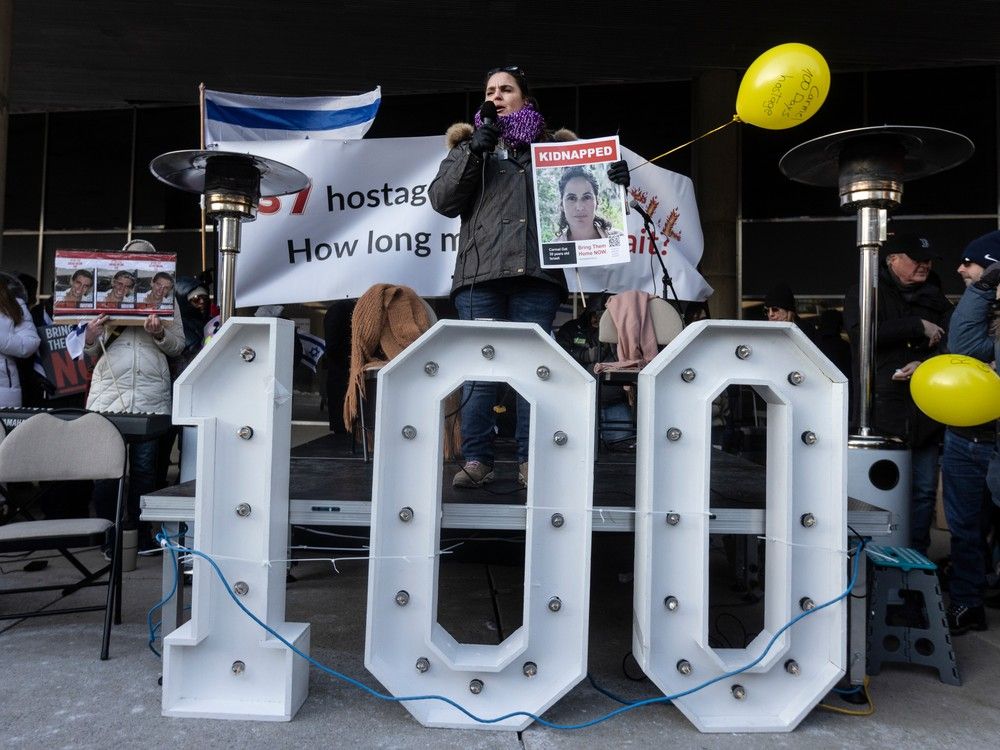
column 386, row 320
column 636, row 336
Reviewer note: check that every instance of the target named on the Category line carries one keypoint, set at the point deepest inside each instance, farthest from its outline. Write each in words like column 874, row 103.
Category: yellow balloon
column 956, row 390
column 783, row 87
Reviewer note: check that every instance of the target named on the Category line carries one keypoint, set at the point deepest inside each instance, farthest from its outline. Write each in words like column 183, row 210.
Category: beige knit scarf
column 386, row 320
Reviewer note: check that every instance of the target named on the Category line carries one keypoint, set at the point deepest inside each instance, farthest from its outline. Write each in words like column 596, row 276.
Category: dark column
column 716, row 176
column 6, row 23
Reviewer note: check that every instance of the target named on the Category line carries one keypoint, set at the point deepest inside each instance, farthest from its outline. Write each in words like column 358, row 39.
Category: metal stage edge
column 866, row 519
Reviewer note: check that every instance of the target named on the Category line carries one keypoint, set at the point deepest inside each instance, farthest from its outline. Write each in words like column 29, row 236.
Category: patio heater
column 232, row 185
column 869, row 166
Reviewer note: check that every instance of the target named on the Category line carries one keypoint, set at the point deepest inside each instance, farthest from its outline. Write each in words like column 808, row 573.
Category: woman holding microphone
column 486, row 179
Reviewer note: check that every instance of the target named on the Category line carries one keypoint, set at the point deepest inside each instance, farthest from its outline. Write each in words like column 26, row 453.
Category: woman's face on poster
column 579, row 204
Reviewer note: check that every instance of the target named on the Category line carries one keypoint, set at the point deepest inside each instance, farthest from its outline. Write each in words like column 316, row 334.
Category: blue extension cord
column 174, row 548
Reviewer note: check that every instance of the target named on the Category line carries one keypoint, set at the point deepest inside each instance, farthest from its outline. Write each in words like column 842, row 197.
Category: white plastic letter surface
column 406, row 648
column 221, row 664
column 805, row 518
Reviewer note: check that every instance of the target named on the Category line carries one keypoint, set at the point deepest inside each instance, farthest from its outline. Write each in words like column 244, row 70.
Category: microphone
column 642, row 212
column 488, row 114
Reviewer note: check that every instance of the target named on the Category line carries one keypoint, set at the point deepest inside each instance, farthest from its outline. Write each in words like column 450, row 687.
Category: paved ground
column 57, row 693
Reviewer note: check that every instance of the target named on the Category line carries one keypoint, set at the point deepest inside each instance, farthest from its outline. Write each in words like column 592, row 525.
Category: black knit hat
column 983, row 250
column 780, row 296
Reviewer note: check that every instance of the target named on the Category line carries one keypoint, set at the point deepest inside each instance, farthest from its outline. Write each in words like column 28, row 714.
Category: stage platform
column 330, row 485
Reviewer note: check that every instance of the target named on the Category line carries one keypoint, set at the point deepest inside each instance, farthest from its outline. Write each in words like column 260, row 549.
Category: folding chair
column 667, row 325
column 47, row 448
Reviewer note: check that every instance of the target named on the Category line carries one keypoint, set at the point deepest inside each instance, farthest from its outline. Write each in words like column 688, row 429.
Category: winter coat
column 16, row 341
column 899, row 340
column 969, row 331
column 504, row 243
column 135, row 366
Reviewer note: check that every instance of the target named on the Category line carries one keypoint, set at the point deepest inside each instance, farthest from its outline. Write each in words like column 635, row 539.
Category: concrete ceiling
column 92, row 54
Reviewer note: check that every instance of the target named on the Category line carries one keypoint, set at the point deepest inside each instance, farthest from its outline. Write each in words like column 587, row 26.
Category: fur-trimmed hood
column 462, row 131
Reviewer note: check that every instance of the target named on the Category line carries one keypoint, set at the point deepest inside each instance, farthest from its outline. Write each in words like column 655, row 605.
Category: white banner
column 366, row 219
column 669, row 200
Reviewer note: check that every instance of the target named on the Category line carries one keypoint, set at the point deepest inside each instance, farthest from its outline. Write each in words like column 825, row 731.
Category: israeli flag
column 76, row 340
column 246, row 117
column 313, row 349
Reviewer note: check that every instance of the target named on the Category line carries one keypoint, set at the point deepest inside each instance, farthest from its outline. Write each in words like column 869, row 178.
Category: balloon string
column 736, row 118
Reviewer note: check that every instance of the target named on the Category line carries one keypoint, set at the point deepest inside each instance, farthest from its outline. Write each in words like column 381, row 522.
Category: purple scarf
column 519, row 128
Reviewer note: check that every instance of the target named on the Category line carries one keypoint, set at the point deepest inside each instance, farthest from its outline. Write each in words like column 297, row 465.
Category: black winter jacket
column 504, row 243
column 899, row 339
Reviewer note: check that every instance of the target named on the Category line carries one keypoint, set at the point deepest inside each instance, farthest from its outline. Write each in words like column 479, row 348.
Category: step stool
column 898, row 629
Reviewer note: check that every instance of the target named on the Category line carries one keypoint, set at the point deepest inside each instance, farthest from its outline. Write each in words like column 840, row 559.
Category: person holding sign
column 132, row 375
column 486, row 179
column 578, row 218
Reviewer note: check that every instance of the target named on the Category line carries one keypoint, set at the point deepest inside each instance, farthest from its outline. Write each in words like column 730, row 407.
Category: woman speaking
column 486, row 179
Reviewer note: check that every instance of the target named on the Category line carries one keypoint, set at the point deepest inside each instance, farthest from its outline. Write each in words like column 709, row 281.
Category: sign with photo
column 63, row 375
column 579, row 212
column 126, row 286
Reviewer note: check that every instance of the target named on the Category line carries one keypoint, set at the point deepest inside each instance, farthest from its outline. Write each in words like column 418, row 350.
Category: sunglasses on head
column 512, row 69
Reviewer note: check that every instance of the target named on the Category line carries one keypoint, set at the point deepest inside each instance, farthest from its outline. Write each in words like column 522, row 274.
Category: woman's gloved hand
column 618, row 173
column 485, row 139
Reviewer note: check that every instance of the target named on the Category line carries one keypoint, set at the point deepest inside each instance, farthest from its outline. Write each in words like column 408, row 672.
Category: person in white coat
column 132, row 375
column 18, row 339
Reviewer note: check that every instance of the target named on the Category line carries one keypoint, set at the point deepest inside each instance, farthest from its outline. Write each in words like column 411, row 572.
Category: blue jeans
column 966, row 498
column 141, row 481
column 924, row 494
column 519, row 301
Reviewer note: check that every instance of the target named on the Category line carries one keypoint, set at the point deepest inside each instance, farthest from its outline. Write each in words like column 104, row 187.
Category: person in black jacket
column 913, row 315
column 486, row 179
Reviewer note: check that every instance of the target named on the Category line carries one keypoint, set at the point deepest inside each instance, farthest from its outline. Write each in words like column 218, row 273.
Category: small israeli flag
column 247, row 117
column 313, row 349
column 76, row 340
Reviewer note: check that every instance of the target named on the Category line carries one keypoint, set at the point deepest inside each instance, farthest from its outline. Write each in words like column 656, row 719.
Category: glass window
column 20, row 254
column 424, row 114
column 959, row 99
column 650, row 118
column 156, row 204
column 822, row 258
column 87, row 184
column 23, row 200
column 767, row 193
